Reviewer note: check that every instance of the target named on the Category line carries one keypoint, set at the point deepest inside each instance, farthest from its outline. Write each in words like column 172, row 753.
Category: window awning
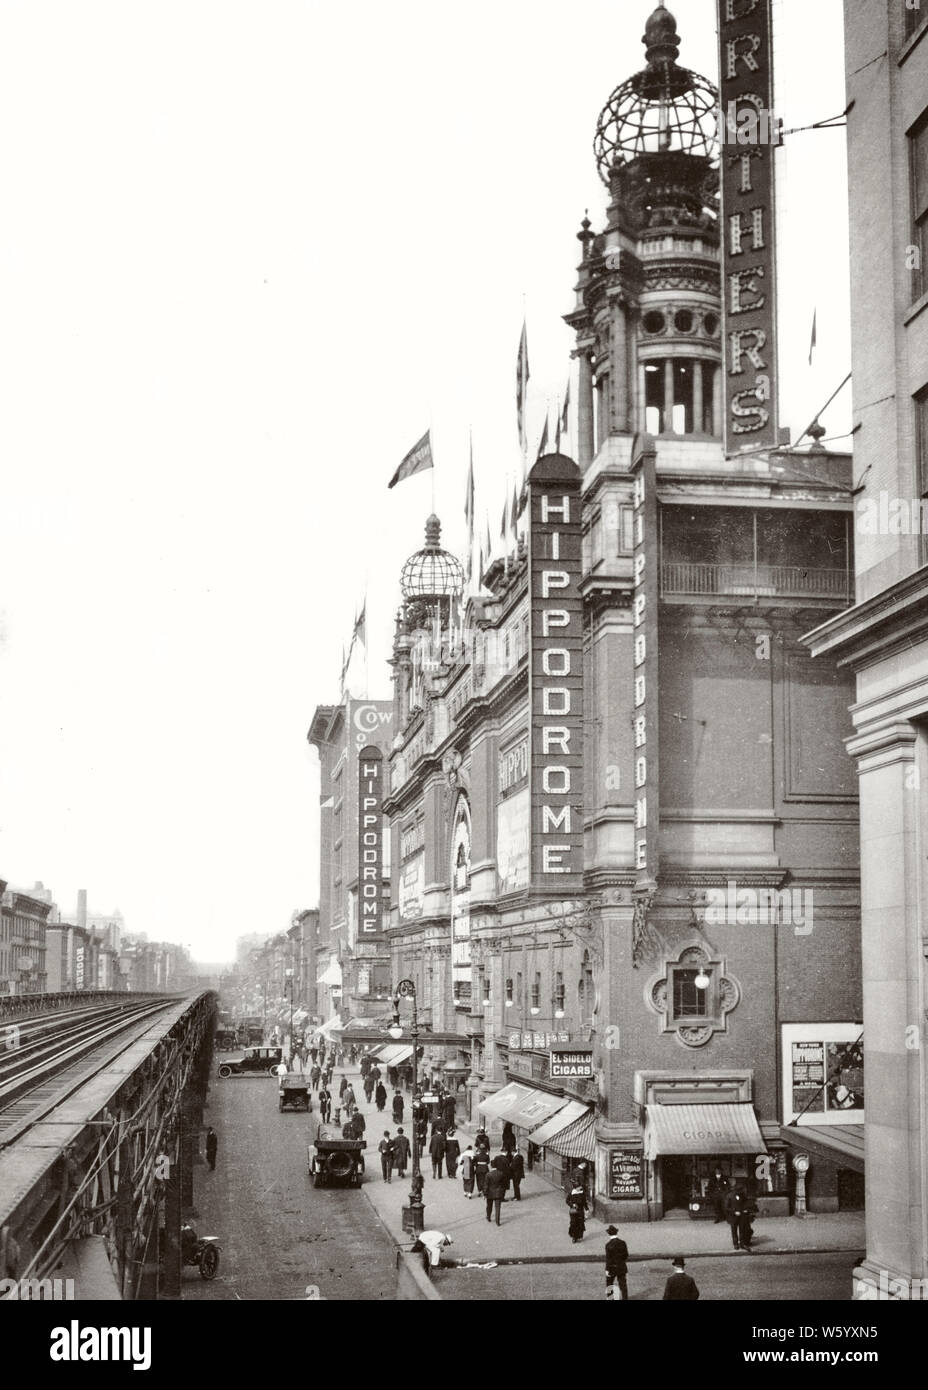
column 565, row 1116
column 331, row 975
column 392, row 1055
column 839, row 1144
column 576, row 1140
column 332, row 1025
column 702, row 1129
column 522, row 1105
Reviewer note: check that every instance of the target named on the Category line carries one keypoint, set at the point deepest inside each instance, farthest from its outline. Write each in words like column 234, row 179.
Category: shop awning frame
column 842, row 1145
column 722, row 1128
column 573, row 1110
column 523, row 1106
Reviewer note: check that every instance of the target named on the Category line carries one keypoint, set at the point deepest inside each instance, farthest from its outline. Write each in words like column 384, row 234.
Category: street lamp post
column 289, row 974
column 414, row 1213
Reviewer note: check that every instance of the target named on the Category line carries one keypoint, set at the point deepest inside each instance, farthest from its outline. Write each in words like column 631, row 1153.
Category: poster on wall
column 823, row 1073
column 412, row 886
column 626, row 1177
column 512, row 842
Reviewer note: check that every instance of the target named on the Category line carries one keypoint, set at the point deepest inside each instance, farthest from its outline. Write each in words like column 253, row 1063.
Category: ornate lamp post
column 289, row 975
column 414, row 1213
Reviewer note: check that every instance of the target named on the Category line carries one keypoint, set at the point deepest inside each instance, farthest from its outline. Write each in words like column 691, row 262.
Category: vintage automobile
column 262, row 1061
column 335, row 1161
column 294, row 1093
column 225, row 1037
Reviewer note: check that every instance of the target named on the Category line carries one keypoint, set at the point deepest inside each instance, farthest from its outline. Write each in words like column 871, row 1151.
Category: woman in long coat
column 577, row 1205
column 398, row 1104
column 380, row 1095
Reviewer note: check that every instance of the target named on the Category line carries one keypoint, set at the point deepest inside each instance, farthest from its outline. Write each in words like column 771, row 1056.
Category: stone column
column 585, row 446
column 667, row 421
column 697, row 397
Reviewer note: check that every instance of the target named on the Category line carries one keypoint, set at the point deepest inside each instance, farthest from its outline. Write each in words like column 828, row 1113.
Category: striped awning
column 564, row 1117
column 576, row 1140
column 702, row 1129
column 522, row 1105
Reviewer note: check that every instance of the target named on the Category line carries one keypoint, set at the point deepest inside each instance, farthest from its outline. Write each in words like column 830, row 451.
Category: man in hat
column 616, row 1263
column 212, row 1144
column 680, row 1285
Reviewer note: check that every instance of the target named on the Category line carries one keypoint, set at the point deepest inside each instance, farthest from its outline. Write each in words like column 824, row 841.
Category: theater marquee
column 555, row 675
column 749, row 132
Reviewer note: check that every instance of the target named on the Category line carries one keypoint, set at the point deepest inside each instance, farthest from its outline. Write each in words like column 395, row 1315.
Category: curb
column 642, row 1259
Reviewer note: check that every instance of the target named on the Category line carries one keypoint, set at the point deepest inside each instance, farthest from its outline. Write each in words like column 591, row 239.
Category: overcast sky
column 249, row 251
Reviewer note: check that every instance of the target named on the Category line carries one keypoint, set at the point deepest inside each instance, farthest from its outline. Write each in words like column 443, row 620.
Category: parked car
column 262, row 1061
column 334, row 1161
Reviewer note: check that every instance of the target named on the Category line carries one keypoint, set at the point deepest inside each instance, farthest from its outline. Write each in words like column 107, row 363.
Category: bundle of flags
column 358, row 634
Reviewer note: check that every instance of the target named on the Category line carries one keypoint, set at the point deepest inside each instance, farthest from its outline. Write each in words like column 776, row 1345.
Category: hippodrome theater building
column 623, row 825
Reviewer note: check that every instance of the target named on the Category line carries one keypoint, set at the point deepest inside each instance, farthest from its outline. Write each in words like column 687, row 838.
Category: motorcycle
column 200, row 1251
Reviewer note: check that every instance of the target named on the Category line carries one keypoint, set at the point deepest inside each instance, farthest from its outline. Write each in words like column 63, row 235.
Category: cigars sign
column 555, row 675
column 750, row 135
column 370, row 842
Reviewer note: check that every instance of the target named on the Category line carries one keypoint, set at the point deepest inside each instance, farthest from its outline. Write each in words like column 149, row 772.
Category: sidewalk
column 535, row 1229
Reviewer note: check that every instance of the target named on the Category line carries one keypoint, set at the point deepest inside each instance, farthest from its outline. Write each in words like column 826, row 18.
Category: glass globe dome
column 663, row 109
column 431, row 572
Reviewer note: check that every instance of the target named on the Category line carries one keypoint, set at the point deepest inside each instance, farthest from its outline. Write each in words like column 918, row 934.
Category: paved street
column 278, row 1233
column 790, row 1278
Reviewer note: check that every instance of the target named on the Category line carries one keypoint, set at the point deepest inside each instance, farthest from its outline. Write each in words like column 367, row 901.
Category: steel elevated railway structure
column 101, row 1099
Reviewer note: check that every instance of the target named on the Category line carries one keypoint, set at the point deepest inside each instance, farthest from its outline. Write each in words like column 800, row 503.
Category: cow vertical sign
column 370, row 844
column 555, row 676
column 749, row 133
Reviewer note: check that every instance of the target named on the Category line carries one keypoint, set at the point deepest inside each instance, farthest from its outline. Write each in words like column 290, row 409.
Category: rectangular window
column 626, row 530
column 536, row 991
column 918, row 176
column 559, row 993
column 688, row 1001
column 913, row 18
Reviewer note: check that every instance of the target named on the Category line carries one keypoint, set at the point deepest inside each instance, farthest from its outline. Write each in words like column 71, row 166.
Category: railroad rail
column 54, row 1056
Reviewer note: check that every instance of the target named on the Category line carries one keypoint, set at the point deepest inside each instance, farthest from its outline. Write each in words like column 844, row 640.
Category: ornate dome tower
column 648, row 316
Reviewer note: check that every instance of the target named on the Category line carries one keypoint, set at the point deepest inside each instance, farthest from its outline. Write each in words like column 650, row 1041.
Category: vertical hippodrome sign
column 555, row 675
column 748, row 134
column 645, row 664
column 370, row 843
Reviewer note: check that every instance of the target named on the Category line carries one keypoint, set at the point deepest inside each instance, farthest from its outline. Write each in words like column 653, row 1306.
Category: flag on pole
column 812, row 339
column 543, row 441
column 360, row 626
column 417, row 460
column 514, row 511
column 469, row 510
column 563, row 420
column 522, row 375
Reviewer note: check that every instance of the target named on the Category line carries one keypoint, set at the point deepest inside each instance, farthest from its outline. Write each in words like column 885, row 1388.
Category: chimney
column 82, row 907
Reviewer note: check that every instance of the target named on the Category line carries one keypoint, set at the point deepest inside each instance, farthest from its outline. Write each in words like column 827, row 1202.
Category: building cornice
column 878, row 628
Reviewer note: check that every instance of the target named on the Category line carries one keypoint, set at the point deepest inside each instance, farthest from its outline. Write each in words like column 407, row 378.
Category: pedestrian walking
column 365, row 1064
column 452, row 1153
column 494, row 1192
column 517, row 1174
column 467, row 1171
column 314, row 1053
column 437, row 1127
column 385, row 1149
column 325, row 1104
column 298, row 1059
column 447, row 1110
column 212, row 1144
column 577, row 1205
column 437, row 1151
column 358, row 1124
column 348, row 1097
column 342, row 1086
column 380, row 1095
column 282, row 1071
column 481, row 1168
column 314, row 1076
column 369, row 1087
column 616, row 1263
column 508, row 1140
column 375, row 1073
column 398, row 1104
column 680, row 1285
column 400, row 1152
column 482, row 1141
column 717, row 1191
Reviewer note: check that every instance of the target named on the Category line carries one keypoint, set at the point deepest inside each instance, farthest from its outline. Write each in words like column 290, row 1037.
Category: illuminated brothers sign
column 747, row 185
column 370, row 842
column 555, row 675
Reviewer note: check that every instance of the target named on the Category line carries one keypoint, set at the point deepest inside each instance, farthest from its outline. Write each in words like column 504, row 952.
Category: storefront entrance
column 678, row 1183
